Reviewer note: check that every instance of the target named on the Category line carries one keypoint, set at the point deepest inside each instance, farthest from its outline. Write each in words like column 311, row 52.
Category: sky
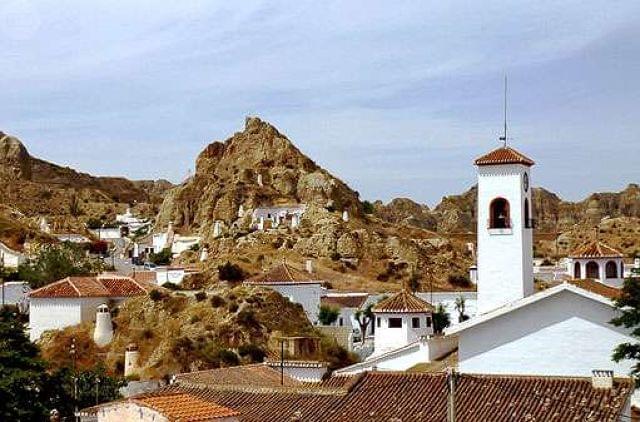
column 395, row 98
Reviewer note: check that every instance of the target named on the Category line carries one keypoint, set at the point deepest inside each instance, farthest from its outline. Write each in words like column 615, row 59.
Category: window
column 428, row 320
column 415, row 322
column 576, row 270
column 499, row 214
column 593, row 270
column 395, row 322
column 340, row 322
column 528, row 221
column 378, row 322
column 611, row 270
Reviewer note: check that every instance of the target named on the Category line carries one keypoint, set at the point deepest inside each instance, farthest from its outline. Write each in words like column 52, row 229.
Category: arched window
column 499, row 214
column 576, row 271
column 593, row 270
column 528, row 223
column 611, row 270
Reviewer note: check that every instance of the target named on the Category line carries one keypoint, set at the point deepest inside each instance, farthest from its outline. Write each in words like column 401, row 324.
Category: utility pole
column 97, row 390
column 3, row 286
column 451, row 395
column 72, row 352
column 281, row 361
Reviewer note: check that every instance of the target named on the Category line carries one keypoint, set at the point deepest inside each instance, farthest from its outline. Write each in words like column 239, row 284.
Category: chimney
column 309, row 266
column 602, row 379
column 131, row 356
column 103, row 333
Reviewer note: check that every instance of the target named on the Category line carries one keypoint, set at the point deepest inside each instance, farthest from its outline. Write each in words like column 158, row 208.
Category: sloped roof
column 144, row 276
column 403, row 302
column 597, row 288
column 384, row 396
column 183, row 407
column 595, row 249
column 344, row 301
column 97, row 286
column 504, row 155
column 258, row 375
column 283, row 274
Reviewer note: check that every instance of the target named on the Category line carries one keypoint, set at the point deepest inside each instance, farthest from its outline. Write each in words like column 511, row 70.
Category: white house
column 74, row 300
column 563, row 331
column 264, row 217
column 176, row 242
column 10, row 258
column 15, row 293
column 400, row 320
column 597, row 261
column 107, row 234
column 347, row 304
column 505, row 228
column 299, row 286
column 131, row 221
column 72, row 237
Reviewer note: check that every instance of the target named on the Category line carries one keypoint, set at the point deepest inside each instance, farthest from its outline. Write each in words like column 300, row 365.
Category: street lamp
column 72, row 352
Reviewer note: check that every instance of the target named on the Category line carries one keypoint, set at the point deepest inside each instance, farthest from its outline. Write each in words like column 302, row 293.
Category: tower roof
column 595, row 249
column 504, row 155
column 403, row 302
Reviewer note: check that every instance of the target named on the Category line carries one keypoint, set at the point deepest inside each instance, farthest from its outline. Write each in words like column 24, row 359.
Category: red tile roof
column 403, row 302
column 344, row 301
column 386, row 396
column 595, row 249
column 100, row 286
column 597, row 288
column 283, row 274
column 504, row 155
column 144, row 276
column 183, row 407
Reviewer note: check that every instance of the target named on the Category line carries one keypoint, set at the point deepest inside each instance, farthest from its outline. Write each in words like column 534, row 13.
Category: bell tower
column 505, row 228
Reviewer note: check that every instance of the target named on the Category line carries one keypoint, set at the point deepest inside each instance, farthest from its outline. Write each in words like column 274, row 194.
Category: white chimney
column 309, row 266
column 131, row 356
column 473, row 274
column 217, row 228
column 103, row 333
column 204, row 254
column 240, row 211
column 602, row 379
column 345, row 216
column 260, row 180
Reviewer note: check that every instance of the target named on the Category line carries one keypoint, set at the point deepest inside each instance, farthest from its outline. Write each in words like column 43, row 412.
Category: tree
column 230, row 272
column 328, row 315
column 368, row 207
column 161, row 258
column 364, row 317
column 628, row 305
column 22, row 372
column 55, row 262
column 441, row 319
column 460, row 308
column 413, row 284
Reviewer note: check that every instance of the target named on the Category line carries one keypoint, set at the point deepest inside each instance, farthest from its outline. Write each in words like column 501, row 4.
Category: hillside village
column 263, row 280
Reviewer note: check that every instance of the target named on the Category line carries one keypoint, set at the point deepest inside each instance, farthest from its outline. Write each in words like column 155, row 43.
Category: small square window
column 395, row 322
column 415, row 322
column 428, row 322
column 378, row 322
column 341, row 322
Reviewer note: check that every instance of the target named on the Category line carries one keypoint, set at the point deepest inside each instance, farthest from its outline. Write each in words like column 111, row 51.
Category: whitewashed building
column 299, row 286
column 176, row 242
column 266, row 217
column 597, row 261
column 74, row 300
column 10, row 258
column 15, row 293
column 72, row 237
column 347, row 305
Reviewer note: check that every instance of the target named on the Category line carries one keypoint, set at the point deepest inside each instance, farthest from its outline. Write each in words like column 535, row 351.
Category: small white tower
column 260, row 180
column 44, row 226
column 505, row 228
column 345, row 216
column 295, row 221
column 240, row 211
column 131, row 357
column 103, row 333
column 217, row 228
column 204, row 254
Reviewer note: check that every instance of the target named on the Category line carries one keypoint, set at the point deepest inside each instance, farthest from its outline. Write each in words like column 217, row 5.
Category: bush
column 171, row 286
column 228, row 357
column 161, row 258
column 247, row 318
column 328, row 315
column 156, row 295
column 233, row 307
column 441, row 319
column 367, row 207
column 230, row 272
column 200, row 296
column 217, row 301
column 459, row 280
column 255, row 353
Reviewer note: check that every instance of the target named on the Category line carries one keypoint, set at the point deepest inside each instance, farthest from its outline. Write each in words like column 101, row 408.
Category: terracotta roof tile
column 504, row 155
column 258, row 375
column 385, row 396
column 144, row 276
column 403, row 302
column 597, row 288
column 100, row 286
column 344, row 301
column 183, row 407
column 283, row 274
column 595, row 249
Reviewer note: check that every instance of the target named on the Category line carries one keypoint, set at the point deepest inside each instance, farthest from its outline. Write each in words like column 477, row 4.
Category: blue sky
column 396, row 98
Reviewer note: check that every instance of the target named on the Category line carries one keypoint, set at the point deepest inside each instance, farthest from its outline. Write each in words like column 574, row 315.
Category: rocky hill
column 260, row 167
column 33, row 187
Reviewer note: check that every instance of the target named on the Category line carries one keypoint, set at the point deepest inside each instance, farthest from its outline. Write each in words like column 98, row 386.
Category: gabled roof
column 504, row 155
column 597, row 288
column 386, row 396
column 144, row 276
column 595, row 249
column 97, row 286
column 536, row 297
column 403, row 302
column 283, row 274
column 344, row 301
column 184, row 407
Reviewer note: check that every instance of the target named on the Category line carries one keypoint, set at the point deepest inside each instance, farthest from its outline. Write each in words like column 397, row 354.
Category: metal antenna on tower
column 503, row 138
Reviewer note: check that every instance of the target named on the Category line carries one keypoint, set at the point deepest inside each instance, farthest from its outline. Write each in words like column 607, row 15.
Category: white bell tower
column 505, row 228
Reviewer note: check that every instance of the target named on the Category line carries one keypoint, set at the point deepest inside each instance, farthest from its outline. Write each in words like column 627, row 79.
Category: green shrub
column 200, row 296
column 217, row 301
column 367, row 207
column 156, row 295
column 255, row 353
column 230, row 272
column 161, row 258
column 171, row 286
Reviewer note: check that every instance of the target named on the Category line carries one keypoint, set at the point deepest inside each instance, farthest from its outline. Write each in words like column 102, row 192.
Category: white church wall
column 545, row 338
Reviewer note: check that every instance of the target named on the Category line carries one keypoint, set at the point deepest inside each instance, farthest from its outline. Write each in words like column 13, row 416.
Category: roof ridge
column 74, row 286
